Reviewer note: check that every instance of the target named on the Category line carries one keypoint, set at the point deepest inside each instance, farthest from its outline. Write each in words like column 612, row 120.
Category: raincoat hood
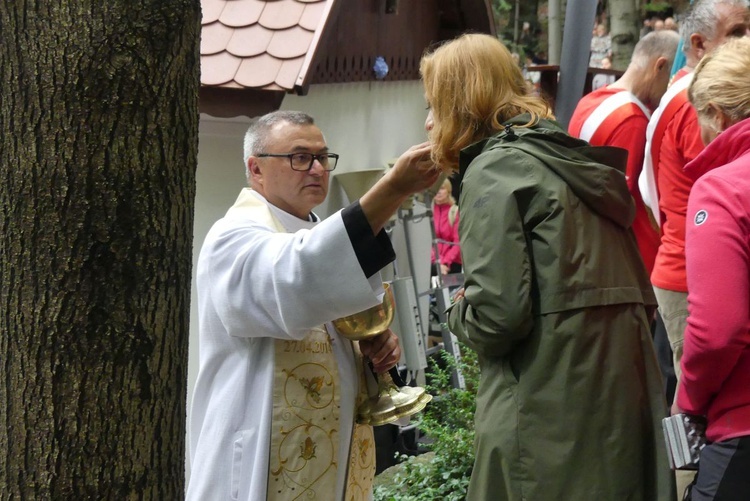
column 596, row 174
column 726, row 148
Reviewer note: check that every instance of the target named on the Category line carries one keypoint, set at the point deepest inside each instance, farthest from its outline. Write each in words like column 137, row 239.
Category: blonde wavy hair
column 721, row 79
column 473, row 85
column 448, row 185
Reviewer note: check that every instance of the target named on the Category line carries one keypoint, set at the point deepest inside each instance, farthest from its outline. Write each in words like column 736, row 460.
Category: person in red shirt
column 617, row 115
column 715, row 379
column 673, row 140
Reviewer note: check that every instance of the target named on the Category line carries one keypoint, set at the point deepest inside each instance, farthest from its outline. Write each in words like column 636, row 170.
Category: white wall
column 368, row 124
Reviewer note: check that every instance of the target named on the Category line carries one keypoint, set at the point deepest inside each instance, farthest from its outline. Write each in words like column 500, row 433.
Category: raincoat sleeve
column 496, row 311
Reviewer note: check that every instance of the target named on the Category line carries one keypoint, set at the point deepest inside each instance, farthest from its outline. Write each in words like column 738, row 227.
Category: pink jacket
column 444, row 230
column 716, row 360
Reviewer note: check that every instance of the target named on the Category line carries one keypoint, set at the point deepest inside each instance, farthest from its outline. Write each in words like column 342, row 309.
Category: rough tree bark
column 99, row 123
column 624, row 29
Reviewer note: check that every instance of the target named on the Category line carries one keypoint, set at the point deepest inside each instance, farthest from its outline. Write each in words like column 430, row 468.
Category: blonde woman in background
column 445, row 220
column 715, row 379
column 555, row 301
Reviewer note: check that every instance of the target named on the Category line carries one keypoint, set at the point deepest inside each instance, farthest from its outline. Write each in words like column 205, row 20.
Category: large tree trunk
column 99, row 118
column 624, row 29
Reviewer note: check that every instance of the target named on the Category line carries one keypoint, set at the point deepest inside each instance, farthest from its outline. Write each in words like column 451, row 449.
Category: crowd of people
column 574, row 245
column 657, row 24
column 600, row 55
column 665, row 139
column 601, row 47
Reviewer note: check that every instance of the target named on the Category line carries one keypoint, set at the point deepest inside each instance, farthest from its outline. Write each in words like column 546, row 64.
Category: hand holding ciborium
column 391, row 402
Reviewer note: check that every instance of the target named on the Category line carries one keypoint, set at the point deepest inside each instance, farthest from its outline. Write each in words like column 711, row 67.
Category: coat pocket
column 509, row 372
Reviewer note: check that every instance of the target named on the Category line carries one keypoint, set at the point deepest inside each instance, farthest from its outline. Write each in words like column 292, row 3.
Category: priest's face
column 294, row 191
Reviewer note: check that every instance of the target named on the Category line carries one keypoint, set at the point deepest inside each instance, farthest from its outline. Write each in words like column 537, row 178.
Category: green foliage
column 499, row 7
column 449, row 422
column 500, row 13
column 656, row 7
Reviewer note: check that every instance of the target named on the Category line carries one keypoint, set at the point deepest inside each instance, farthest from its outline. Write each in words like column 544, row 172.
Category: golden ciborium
column 391, row 402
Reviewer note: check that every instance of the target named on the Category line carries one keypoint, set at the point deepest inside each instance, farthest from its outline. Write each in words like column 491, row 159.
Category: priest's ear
column 253, row 171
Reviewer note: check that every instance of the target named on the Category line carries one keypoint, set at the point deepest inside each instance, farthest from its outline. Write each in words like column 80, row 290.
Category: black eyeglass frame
column 313, row 157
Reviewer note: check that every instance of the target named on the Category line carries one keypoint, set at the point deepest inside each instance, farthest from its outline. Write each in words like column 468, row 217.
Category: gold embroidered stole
column 362, row 449
column 306, row 405
column 305, row 428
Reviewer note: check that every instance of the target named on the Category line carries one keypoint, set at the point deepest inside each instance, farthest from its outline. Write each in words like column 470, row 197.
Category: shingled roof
column 253, row 52
column 260, row 44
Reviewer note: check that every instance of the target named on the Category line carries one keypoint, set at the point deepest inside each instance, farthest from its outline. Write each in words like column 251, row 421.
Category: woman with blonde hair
column 715, row 380
column 556, row 296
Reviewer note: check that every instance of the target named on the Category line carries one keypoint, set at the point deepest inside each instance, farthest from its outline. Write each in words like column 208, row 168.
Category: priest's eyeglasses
column 304, row 161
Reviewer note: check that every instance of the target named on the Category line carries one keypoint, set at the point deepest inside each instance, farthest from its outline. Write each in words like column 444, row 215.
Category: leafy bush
column 656, row 7
column 448, row 423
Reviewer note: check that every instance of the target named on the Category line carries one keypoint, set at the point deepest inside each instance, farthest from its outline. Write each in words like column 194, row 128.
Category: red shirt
column 681, row 143
column 624, row 128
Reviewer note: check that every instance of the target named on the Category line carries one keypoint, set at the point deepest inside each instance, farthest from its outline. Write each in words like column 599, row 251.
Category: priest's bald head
column 288, row 162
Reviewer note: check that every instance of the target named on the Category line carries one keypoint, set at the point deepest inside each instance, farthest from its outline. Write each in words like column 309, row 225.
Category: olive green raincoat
column 570, row 399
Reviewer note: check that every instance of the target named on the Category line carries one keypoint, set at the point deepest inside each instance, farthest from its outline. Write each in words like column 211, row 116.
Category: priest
column 273, row 413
